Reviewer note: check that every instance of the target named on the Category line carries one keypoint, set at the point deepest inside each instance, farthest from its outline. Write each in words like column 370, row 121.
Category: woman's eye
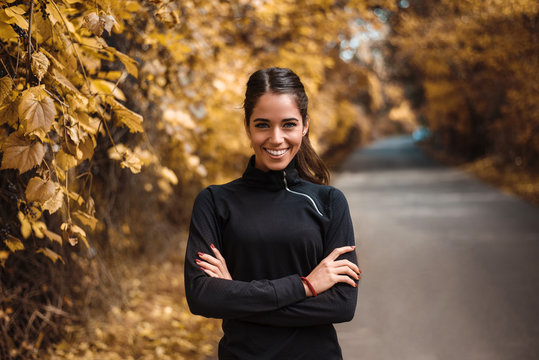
column 261, row 125
column 290, row 124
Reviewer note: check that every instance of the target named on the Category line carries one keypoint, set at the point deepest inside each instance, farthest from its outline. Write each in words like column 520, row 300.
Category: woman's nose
column 276, row 136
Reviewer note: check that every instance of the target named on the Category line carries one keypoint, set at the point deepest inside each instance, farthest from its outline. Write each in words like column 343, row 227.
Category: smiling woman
column 275, row 131
column 282, row 267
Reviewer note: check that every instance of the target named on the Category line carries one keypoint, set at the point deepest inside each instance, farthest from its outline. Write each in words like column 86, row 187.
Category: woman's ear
column 306, row 126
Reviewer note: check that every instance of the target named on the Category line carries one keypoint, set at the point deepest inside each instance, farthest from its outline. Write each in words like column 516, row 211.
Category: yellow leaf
column 63, row 81
column 9, row 113
column 86, row 219
column 73, row 233
column 87, row 148
column 7, row 32
column 65, row 161
column 39, row 190
column 50, row 254
column 13, row 243
column 108, row 22
column 98, row 23
column 21, row 155
column 37, row 109
column 6, row 84
column 132, row 162
column 26, row 227
column 127, row 117
column 129, row 63
column 15, row 13
column 169, row 175
column 40, row 64
column 52, row 236
column 55, row 202
column 87, row 123
column 93, row 23
column 105, row 87
column 3, row 257
column 39, row 228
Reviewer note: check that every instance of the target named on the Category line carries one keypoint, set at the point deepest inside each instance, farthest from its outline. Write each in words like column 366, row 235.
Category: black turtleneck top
column 271, row 228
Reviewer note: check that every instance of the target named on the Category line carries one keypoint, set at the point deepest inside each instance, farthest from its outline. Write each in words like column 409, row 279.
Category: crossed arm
column 280, row 302
column 329, row 272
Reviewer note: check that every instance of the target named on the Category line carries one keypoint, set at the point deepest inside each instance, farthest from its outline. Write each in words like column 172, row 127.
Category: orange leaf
column 13, row 243
column 37, row 109
column 39, row 190
column 21, row 155
column 50, row 254
column 6, row 84
column 40, row 64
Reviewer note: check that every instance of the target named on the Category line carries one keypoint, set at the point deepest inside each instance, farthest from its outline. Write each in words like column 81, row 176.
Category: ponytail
column 310, row 165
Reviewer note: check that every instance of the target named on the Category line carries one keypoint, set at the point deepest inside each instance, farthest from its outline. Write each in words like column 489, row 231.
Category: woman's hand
column 214, row 266
column 331, row 271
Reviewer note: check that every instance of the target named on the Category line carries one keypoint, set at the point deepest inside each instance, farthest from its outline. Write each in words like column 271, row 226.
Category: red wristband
column 309, row 285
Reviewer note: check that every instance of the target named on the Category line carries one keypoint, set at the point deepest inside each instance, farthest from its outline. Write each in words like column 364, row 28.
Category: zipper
column 298, row 193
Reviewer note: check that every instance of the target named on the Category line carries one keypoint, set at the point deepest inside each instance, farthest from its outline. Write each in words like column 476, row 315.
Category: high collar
column 272, row 179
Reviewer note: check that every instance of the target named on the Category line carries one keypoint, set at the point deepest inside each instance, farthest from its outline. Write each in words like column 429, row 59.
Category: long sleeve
column 227, row 299
column 334, row 305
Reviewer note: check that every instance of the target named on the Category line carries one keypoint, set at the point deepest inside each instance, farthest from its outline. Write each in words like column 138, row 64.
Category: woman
column 272, row 253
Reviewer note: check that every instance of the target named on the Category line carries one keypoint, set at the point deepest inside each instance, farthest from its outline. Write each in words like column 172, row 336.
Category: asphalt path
column 450, row 264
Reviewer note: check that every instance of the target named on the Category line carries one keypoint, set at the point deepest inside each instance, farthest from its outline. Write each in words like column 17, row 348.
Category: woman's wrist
column 309, row 289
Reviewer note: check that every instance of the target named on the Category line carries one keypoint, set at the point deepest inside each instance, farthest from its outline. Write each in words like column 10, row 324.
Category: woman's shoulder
column 328, row 195
column 219, row 189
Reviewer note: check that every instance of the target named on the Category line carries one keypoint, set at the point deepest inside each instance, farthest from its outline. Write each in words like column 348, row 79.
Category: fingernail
column 200, row 254
column 355, row 285
column 212, row 246
column 353, row 246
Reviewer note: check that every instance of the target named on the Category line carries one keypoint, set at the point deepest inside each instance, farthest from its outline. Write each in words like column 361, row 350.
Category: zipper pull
column 284, row 179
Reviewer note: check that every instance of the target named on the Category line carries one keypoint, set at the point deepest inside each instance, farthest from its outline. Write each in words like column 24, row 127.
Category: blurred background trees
column 114, row 114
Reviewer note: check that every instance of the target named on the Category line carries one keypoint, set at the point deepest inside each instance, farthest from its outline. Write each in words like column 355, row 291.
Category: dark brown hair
column 285, row 81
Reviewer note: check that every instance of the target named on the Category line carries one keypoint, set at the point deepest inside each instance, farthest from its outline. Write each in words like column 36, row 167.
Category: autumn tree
column 476, row 65
column 75, row 78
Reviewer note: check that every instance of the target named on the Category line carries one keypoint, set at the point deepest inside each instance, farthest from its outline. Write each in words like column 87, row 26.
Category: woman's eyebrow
column 267, row 120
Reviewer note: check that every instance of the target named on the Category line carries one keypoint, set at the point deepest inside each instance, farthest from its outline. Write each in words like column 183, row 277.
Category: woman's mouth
column 273, row 152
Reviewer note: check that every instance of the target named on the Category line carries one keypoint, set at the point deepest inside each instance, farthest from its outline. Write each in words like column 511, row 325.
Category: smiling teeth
column 276, row 152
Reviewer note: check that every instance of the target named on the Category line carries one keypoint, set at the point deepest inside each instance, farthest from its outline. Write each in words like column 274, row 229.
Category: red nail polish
column 200, row 254
column 197, row 261
column 212, row 246
column 355, row 285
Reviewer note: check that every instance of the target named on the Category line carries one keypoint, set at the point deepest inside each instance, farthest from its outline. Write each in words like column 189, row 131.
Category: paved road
column 451, row 265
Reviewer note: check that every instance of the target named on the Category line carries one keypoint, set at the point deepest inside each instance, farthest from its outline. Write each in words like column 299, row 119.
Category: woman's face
column 275, row 130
